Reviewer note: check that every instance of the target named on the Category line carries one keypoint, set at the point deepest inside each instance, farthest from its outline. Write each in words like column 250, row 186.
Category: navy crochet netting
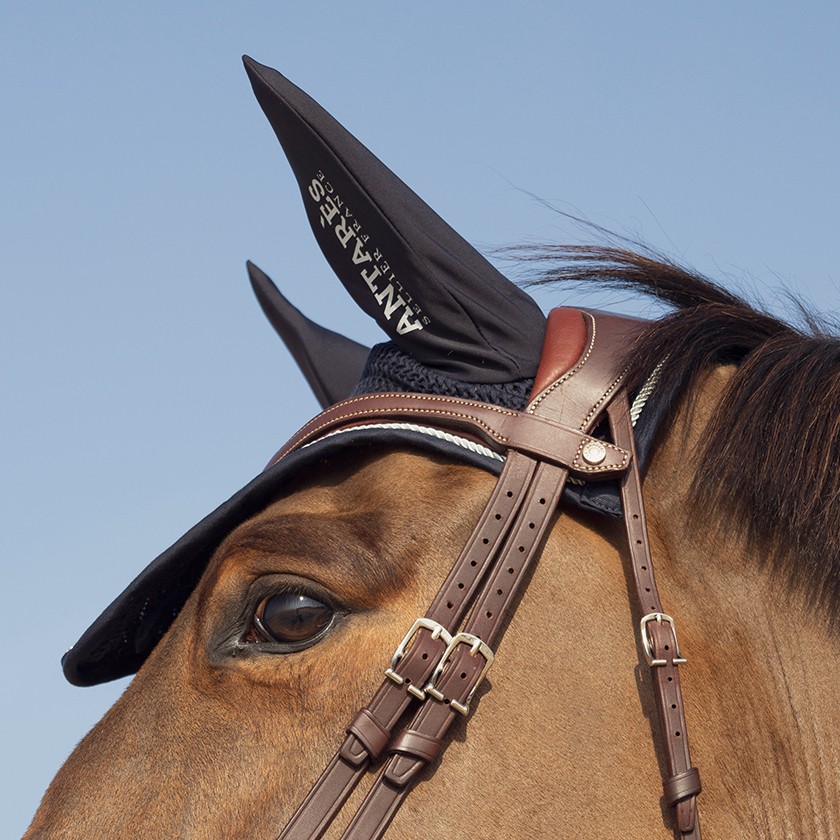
column 389, row 369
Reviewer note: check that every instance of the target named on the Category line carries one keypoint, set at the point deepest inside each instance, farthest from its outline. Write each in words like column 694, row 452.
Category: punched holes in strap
column 422, row 652
column 659, row 641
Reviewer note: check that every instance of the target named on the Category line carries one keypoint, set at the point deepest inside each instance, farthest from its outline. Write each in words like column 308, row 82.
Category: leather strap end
column 681, row 791
column 687, row 816
column 353, row 751
column 402, row 769
column 372, row 734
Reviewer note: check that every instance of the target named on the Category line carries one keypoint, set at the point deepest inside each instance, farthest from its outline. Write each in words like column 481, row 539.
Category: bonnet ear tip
column 255, row 274
column 256, row 71
column 262, row 284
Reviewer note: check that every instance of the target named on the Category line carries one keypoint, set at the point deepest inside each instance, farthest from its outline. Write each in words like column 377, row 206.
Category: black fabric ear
column 434, row 295
column 331, row 363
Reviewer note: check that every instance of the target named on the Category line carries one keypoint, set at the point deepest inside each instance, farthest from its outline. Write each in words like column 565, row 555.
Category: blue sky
column 140, row 385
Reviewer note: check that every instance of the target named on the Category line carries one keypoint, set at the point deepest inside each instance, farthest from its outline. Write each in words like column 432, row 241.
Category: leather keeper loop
column 370, row 732
column 417, row 744
column 682, row 786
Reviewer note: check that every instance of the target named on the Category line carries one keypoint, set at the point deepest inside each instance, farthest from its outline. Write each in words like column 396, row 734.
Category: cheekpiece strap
column 445, row 654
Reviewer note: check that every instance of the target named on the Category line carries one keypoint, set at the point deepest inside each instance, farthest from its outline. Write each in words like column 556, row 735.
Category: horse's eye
column 293, row 619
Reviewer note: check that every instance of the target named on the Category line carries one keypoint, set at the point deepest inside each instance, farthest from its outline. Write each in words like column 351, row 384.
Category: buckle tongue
column 477, row 646
column 437, row 630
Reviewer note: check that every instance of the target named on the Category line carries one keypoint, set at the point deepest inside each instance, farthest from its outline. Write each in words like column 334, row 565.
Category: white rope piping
column 423, row 430
column 645, row 391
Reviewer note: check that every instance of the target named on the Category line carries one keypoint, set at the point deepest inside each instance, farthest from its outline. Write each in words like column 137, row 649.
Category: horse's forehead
column 349, row 515
column 390, row 479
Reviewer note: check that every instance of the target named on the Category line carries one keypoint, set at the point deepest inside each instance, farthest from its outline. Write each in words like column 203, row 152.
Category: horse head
column 476, row 478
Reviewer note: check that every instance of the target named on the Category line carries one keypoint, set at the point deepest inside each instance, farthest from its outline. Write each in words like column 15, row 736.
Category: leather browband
column 533, row 435
column 438, row 666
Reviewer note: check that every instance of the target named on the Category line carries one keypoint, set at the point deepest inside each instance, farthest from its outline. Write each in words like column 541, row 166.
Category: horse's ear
column 437, row 298
column 331, row 363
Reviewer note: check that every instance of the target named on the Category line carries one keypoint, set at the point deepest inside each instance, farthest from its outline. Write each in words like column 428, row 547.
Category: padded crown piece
column 434, row 295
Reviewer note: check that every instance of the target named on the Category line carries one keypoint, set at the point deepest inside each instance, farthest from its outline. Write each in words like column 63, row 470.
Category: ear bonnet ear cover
column 434, row 295
column 331, row 363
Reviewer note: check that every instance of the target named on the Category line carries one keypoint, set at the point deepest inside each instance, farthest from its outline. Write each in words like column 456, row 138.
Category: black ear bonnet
column 455, row 326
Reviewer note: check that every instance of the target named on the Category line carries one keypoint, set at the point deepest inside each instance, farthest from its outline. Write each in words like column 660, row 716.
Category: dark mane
column 770, row 458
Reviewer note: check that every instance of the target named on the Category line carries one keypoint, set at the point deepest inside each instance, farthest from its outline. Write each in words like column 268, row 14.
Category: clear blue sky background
column 140, row 385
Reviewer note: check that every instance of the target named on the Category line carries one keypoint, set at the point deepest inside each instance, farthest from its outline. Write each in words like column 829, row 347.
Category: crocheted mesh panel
column 389, row 369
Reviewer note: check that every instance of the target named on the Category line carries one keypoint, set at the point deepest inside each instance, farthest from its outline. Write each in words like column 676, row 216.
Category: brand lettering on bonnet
column 393, row 297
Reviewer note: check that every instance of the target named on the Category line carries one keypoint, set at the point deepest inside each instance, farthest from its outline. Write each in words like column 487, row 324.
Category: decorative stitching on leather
column 400, row 396
column 570, row 373
column 600, row 402
column 313, row 434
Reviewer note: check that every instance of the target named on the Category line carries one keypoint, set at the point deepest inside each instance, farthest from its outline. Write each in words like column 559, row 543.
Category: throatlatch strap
column 659, row 639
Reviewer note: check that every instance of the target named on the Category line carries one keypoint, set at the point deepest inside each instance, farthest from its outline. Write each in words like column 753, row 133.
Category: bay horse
column 258, row 635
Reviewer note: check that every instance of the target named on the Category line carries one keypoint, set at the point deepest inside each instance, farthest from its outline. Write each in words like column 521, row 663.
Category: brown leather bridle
column 445, row 654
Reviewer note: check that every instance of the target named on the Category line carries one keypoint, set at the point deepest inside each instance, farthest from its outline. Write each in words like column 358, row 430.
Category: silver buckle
column 438, row 632
column 476, row 647
column 659, row 617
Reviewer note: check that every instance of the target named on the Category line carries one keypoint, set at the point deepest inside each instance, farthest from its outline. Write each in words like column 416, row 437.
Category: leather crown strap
column 438, row 667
